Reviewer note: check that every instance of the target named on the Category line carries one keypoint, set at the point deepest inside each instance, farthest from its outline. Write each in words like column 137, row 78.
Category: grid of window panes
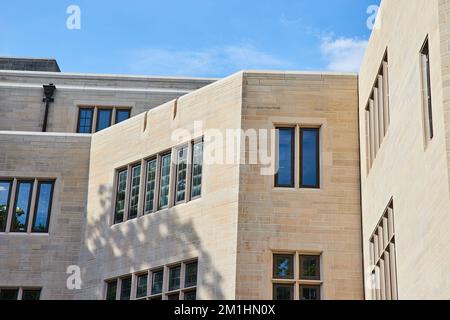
column 160, row 189
column 296, row 276
column 26, row 294
column 383, row 258
column 103, row 115
column 174, row 282
column 25, row 216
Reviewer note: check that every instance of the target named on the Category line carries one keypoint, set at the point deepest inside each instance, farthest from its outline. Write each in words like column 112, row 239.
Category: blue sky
column 189, row 37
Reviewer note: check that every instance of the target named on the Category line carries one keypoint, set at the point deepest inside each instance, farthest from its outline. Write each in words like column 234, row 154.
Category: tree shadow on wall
column 133, row 244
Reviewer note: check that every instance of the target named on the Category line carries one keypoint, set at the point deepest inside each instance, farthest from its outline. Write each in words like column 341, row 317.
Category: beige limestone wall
column 30, row 260
column 205, row 228
column 326, row 221
column 21, row 93
column 414, row 174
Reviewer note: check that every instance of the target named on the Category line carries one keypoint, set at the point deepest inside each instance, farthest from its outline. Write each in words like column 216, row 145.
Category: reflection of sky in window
column 285, row 157
column 104, row 119
column 283, row 268
column 4, row 190
column 23, row 203
column 43, row 206
column 309, row 155
column 122, row 115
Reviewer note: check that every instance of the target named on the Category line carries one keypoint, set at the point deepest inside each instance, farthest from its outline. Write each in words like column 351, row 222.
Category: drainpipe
column 49, row 90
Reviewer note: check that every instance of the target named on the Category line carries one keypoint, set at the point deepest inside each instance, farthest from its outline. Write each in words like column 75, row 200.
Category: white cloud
column 216, row 61
column 343, row 54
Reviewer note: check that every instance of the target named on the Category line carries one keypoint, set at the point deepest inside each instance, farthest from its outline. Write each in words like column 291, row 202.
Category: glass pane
column 285, row 175
column 85, row 121
column 150, row 187
column 157, row 281
column 310, row 158
column 120, row 196
column 44, row 205
column 190, row 295
column 165, row 180
column 31, row 295
column 141, row 287
column 310, row 269
column 122, row 115
column 309, row 292
column 135, row 186
column 175, row 296
column 191, row 275
column 283, row 292
column 283, row 266
column 111, row 290
column 197, row 170
column 8, row 294
column 22, row 207
column 125, row 289
column 5, row 195
column 180, row 191
column 103, row 119
column 174, row 278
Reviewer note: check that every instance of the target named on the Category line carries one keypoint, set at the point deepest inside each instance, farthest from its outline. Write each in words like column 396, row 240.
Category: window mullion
column 11, row 209
column 32, row 205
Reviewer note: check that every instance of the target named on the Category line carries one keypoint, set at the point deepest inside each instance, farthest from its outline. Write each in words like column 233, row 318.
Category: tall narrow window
column 197, row 170
column 426, row 89
column 22, row 206
column 111, row 290
column 174, row 278
column 309, row 158
column 85, row 117
column 157, row 282
column 120, row 196
column 43, row 207
column 286, row 155
column 190, row 278
column 180, row 184
column 8, row 294
column 135, row 189
column 5, row 195
column 164, row 181
column 125, row 289
column 141, row 286
column 122, row 115
column 103, row 119
column 150, row 186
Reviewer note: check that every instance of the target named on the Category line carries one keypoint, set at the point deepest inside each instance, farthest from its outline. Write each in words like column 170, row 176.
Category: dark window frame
column 318, row 259
column 139, row 276
column 122, row 279
column 302, row 184
column 425, row 51
column 100, row 109
column 292, row 185
column 290, row 285
column 169, row 275
column 117, row 110
column 153, row 272
column 292, row 257
column 92, row 109
column 108, row 283
column 8, row 201
column 29, row 290
column 160, row 170
column 155, row 196
column 188, row 285
column 50, row 207
column 318, row 287
column 130, row 191
column 118, row 172
column 15, row 204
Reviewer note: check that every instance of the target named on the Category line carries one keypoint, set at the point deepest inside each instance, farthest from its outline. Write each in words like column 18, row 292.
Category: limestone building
column 261, row 185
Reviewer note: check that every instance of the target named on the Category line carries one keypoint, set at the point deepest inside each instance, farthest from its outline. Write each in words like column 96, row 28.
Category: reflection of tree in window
column 5, row 189
column 165, row 180
column 22, row 206
column 197, row 169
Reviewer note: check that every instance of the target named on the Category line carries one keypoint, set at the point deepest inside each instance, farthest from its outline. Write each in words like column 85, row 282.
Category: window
column 309, row 267
column 309, row 158
column 286, row 155
column 43, row 207
column 30, row 294
column 111, row 290
column 5, row 198
column 377, row 113
column 25, row 215
column 135, row 189
column 122, row 115
column 426, row 91
column 174, row 278
column 150, row 186
column 181, row 174
column 125, row 288
column 164, row 181
column 286, row 280
column 141, row 286
column 165, row 283
column 85, row 117
column 383, row 258
column 103, row 119
column 157, row 282
column 197, row 169
column 104, row 116
column 22, row 206
column 121, row 196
